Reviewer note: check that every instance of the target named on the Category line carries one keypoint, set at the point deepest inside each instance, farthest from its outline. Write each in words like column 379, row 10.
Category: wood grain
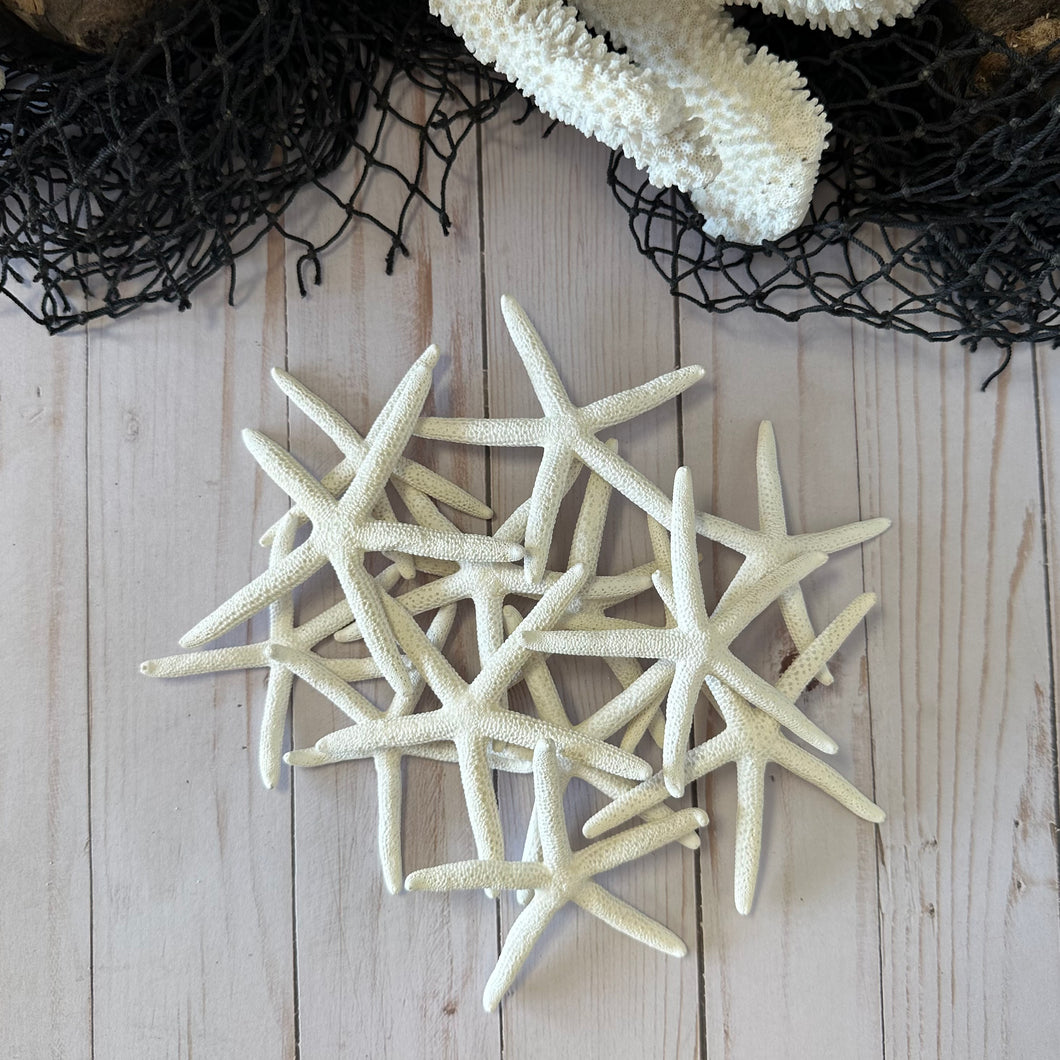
column 552, row 239
column 390, row 976
column 191, row 857
column 157, row 902
column 45, row 871
column 958, row 671
column 810, row 941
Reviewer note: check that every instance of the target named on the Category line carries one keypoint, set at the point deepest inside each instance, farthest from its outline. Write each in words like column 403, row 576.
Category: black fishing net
column 133, row 178
column 938, row 207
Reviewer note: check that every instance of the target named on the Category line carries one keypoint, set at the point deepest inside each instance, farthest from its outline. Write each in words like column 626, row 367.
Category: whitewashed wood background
column 156, row 902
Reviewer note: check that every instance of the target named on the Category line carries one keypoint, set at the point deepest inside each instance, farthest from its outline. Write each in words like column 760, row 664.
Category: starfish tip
column 700, row 817
column 150, row 667
column 674, row 784
column 430, row 356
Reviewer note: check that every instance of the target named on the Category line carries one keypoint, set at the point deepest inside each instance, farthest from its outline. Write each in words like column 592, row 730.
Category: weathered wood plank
column 556, row 241
column 45, row 874
column 959, row 676
column 381, row 975
column 191, row 857
column 800, row 974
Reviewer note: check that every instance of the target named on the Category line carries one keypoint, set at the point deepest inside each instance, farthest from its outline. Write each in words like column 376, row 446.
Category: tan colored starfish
column 562, row 876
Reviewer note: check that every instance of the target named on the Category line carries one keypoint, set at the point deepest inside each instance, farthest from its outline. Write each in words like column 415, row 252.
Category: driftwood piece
column 91, row 25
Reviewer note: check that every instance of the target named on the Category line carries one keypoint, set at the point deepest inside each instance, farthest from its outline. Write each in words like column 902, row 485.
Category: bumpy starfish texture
column 562, row 876
column 565, row 433
column 282, row 633
column 697, row 648
column 488, row 584
column 751, row 740
column 688, row 98
column 343, row 531
column 389, row 792
column 602, row 725
column 771, row 545
column 469, row 715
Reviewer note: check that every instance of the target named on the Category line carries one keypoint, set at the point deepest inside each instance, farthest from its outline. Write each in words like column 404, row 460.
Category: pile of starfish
column 431, row 567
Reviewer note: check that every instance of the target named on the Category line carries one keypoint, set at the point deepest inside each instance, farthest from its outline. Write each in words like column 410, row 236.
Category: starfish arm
column 624, row 807
column 615, row 788
column 623, row 643
column 633, row 843
column 389, row 799
column 420, row 541
column 298, row 566
column 546, row 382
column 476, row 778
column 750, row 799
column 689, row 607
column 365, row 601
column 648, row 687
column 311, row 497
column 273, row 721
column 514, row 527
column 281, row 610
column 470, row 875
column 499, row 671
column 843, row 536
column 734, row 614
column 556, row 461
column 524, row 933
column 383, row 512
column 389, row 436
column 619, row 408
column 624, row 477
column 353, row 671
column 509, row 727
column 489, row 634
column 508, row 433
column 680, row 708
column 588, row 535
column 436, row 670
column 771, row 517
column 821, row 775
column 326, row 417
column 797, row 622
column 538, row 678
column 446, row 590
column 628, row 920
column 330, row 622
column 762, row 694
column 425, row 481
column 799, row 674
column 650, row 720
column 318, row 675
column 209, row 661
column 549, row 786
column 727, row 533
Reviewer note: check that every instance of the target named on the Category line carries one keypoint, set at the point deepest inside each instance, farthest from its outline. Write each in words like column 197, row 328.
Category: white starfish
column 601, row 725
column 697, row 649
column 415, row 476
column 343, row 531
column 771, row 545
column 282, row 632
column 563, row 876
column 752, row 740
column 389, row 795
column 565, row 433
column 470, row 717
column 688, row 98
column 487, row 585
